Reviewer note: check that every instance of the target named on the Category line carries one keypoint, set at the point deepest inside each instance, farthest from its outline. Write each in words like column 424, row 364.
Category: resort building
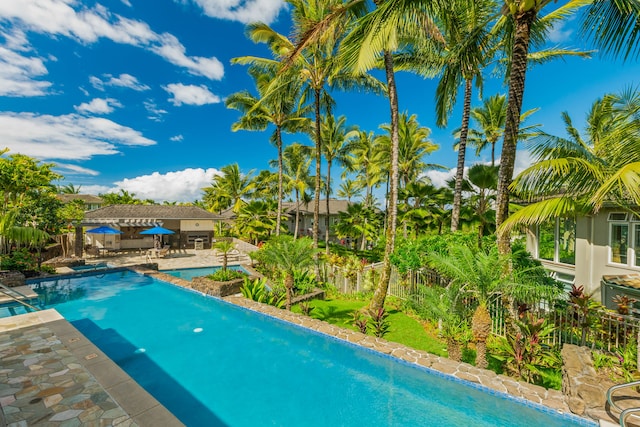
column 90, row 201
column 192, row 227
column 305, row 217
column 600, row 252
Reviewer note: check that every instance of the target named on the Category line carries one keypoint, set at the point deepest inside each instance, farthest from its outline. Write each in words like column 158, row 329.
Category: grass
column 403, row 328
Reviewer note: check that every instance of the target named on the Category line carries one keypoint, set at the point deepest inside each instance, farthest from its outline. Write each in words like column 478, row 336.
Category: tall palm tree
column 578, row 173
column 228, row 189
column 349, row 189
column 375, row 37
column 283, row 110
column 290, row 256
column 469, row 50
column 365, row 158
column 522, row 16
column 613, row 26
column 335, row 136
column 484, row 179
column 296, row 164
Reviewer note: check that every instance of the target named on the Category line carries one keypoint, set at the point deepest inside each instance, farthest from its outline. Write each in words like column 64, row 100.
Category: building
column 305, row 217
column 90, row 201
column 190, row 225
column 599, row 251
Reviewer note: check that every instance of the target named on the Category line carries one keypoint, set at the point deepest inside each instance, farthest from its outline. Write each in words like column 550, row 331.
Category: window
column 619, row 238
column 547, row 241
column 636, row 245
column 557, row 241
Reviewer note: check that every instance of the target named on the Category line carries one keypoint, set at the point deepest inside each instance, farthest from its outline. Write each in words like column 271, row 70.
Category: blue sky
column 129, row 94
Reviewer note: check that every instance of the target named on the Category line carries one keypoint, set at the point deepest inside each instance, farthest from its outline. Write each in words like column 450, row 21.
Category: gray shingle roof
column 335, row 207
column 161, row 212
column 87, row 198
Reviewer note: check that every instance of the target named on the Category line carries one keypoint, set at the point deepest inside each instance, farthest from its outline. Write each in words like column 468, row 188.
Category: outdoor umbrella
column 157, row 230
column 104, row 230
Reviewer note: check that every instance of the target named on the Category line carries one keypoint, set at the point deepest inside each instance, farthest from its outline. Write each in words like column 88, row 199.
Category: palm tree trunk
column 512, row 124
column 288, row 284
column 316, row 201
column 462, row 151
column 380, row 294
column 279, row 213
column 295, row 232
column 326, row 220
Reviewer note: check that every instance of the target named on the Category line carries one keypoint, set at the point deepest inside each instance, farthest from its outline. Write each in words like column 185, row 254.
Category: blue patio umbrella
column 103, row 230
column 157, row 230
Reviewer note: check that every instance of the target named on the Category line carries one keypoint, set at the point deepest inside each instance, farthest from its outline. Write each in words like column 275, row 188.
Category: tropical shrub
column 19, row 259
column 226, row 275
column 523, row 351
column 359, row 321
column 256, row 290
column 379, row 322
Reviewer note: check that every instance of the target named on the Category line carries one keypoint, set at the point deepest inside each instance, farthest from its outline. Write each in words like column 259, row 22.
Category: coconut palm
column 256, row 220
column 484, row 180
column 335, row 136
column 349, row 189
column 578, row 173
column 296, row 164
column 523, row 17
column 290, row 256
column 359, row 221
column 365, row 159
column 228, row 189
column 613, row 26
column 282, row 110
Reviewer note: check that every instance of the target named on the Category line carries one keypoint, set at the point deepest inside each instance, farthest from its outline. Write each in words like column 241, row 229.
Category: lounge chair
column 94, row 252
column 164, row 251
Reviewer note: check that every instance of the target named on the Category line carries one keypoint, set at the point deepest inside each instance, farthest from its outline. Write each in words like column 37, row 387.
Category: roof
column 335, row 207
column 86, row 198
column 629, row 280
column 145, row 214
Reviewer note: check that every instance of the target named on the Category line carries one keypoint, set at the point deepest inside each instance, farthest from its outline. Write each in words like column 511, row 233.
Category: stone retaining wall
column 12, row 278
column 216, row 289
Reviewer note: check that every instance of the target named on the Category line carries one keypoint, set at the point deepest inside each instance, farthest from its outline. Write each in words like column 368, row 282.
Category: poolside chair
column 164, row 251
column 93, row 251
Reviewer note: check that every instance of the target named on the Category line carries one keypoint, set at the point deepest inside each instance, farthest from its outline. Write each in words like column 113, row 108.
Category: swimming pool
column 190, row 273
column 90, row 267
column 214, row 364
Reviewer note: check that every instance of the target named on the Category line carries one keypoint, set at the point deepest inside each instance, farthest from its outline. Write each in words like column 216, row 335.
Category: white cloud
column 68, row 169
column 68, row 137
column 123, row 80
column 98, row 106
column 190, row 94
column 18, row 74
column 87, row 25
column 177, row 138
column 244, row 11
column 155, row 113
column 439, row 178
column 180, row 186
column 126, row 2
column 560, row 33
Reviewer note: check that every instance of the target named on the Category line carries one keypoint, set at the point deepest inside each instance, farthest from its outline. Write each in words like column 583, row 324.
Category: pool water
column 214, row 364
column 190, row 273
column 89, row 267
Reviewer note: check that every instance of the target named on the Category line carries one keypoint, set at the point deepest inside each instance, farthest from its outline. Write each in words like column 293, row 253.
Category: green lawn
column 403, row 329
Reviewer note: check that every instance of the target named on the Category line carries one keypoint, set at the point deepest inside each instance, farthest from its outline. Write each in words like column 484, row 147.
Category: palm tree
column 613, row 25
column 69, row 189
column 359, row 221
column 469, row 50
column 228, row 189
column 484, row 179
column 290, row 256
column 256, row 220
column 522, row 15
column 224, row 246
column 335, row 136
column 365, row 158
column 280, row 109
column 577, row 174
column 349, row 189
column 476, row 274
column 296, row 164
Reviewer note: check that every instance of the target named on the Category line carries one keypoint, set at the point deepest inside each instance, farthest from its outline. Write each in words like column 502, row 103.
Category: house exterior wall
column 593, row 254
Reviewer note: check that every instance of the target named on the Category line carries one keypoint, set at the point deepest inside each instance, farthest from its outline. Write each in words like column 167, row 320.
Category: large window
column 618, row 242
column 557, row 241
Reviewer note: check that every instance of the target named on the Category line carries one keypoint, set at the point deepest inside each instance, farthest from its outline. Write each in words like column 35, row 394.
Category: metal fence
column 600, row 329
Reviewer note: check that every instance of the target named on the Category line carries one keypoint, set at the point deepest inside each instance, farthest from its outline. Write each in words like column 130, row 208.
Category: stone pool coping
column 554, row 400
column 85, row 388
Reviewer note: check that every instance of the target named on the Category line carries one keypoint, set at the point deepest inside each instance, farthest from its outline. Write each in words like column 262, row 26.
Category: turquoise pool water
column 190, row 273
column 215, row 364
